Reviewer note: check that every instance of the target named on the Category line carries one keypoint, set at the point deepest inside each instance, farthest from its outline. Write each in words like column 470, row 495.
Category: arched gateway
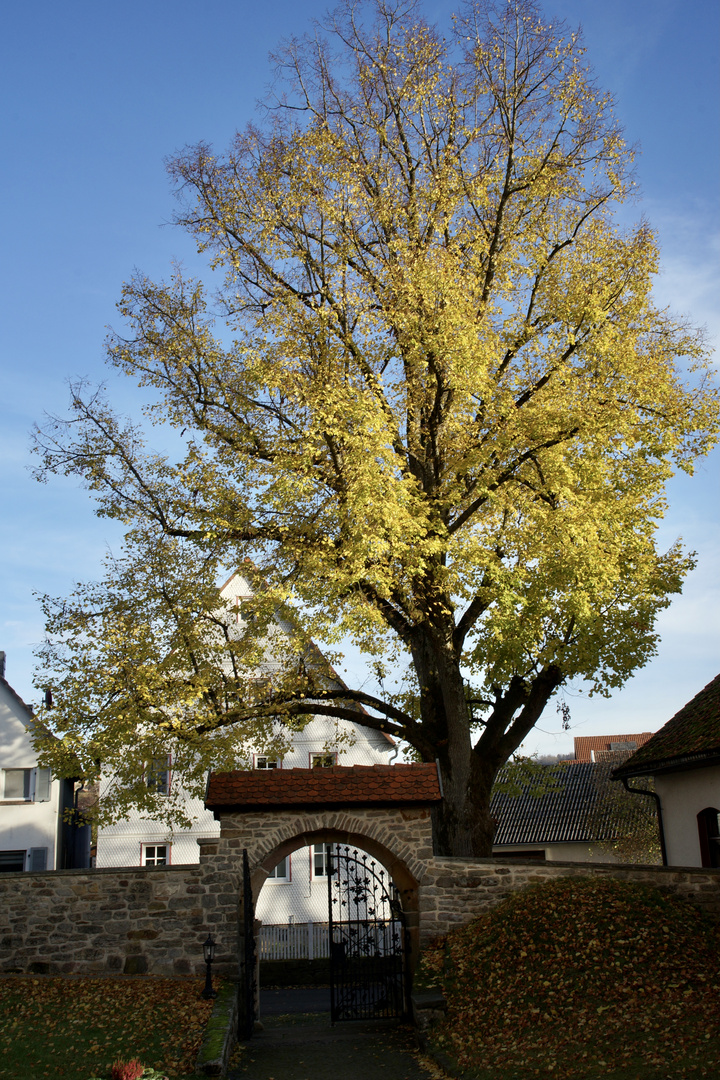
column 380, row 809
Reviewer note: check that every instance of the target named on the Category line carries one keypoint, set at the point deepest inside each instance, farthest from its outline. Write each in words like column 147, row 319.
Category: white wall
column 682, row 796
column 23, row 824
column 121, row 844
column 566, row 852
column 302, row 899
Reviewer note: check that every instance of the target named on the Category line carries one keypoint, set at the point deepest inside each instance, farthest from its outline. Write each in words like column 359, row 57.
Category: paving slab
column 301, row 1046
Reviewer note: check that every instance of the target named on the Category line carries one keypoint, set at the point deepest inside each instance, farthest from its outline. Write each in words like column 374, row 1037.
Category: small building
column 567, row 812
column 684, row 759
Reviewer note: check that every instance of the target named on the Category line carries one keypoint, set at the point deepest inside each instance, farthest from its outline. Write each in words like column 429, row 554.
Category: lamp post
column 209, row 954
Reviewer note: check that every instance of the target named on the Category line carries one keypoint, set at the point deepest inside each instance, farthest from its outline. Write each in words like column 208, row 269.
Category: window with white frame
column 262, row 761
column 158, row 776
column 321, row 854
column 281, row 872
column 323, row 761
column 155, row 855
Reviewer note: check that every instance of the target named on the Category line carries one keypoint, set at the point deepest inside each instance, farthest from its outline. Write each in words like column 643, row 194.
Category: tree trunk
column 462, row 822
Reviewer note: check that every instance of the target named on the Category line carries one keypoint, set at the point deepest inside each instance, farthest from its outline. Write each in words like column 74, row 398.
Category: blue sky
column 96, row 95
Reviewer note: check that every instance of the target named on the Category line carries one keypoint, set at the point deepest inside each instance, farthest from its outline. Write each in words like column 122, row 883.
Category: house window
column 323, row 761
column 158, row 776
column 26, row 785
column 155, row 855
column 281, row 872
column 12, row 862
column 264, row 762
column 709, row 834
column 17, row 784
column 321, row 854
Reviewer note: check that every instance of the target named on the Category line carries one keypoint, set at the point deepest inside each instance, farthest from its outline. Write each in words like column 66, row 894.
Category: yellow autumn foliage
column 431, row 398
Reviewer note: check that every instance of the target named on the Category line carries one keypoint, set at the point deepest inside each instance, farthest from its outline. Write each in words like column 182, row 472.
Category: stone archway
column 383, row 810
column 358, row 836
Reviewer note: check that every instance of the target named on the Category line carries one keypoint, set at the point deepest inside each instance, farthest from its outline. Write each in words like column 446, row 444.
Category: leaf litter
column 582, row 977
column 76, row 1027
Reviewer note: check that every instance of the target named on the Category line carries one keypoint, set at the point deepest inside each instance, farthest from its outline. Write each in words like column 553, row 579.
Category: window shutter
column 43, row 781
column 38, row 859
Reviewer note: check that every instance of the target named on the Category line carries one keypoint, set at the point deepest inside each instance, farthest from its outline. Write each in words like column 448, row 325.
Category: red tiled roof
column 585, row 744
column 366, row 784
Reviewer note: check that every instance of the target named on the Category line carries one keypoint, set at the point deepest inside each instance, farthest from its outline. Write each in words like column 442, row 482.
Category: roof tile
column 693, row 732
column 571, row 812
column 366, row 784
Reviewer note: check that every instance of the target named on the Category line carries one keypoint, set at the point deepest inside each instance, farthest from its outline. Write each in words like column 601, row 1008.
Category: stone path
column 306, row 1047
column 297, row 1045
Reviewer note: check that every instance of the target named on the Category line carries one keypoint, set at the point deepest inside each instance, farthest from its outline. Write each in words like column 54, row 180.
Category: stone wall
column 155, row 919
column 438, row 893
column 453, row 891
column 400, row 837
column 152, row 920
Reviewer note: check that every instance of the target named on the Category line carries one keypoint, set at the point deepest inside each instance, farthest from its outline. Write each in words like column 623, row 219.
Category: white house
column 684, row 758
column 297, row 890
column 31, row 833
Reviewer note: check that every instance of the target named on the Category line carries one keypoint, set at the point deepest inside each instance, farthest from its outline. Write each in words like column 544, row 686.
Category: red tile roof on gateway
column 366, row 784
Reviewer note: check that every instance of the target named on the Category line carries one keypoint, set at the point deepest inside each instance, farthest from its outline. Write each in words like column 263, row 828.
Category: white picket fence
column 294, row 941
column 310, row 941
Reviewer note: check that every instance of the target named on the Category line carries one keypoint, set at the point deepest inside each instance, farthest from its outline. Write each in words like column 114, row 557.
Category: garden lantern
column 209, row 955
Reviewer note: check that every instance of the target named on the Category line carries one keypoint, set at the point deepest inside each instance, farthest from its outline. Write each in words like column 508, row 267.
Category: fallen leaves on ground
column 76, row 1027
column 582, row 977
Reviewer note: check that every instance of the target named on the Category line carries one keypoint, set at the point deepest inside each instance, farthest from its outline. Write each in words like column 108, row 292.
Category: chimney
column 2, row 664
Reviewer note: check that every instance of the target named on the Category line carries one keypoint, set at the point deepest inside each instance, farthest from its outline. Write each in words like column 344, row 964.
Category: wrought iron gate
column 246, row 1012
column 368, row 939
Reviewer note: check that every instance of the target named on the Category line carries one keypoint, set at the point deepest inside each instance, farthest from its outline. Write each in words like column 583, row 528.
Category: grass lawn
column 76, row 1028
column 579, row 979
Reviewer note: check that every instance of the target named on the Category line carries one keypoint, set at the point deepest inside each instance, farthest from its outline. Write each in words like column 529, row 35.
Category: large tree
column 431, row 400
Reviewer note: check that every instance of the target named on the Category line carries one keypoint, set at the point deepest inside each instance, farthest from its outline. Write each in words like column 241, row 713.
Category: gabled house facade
column 35, row 832
column 297, row 888
column 683, row 757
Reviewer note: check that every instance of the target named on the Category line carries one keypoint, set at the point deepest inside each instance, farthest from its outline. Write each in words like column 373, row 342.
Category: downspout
column 653, row 795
